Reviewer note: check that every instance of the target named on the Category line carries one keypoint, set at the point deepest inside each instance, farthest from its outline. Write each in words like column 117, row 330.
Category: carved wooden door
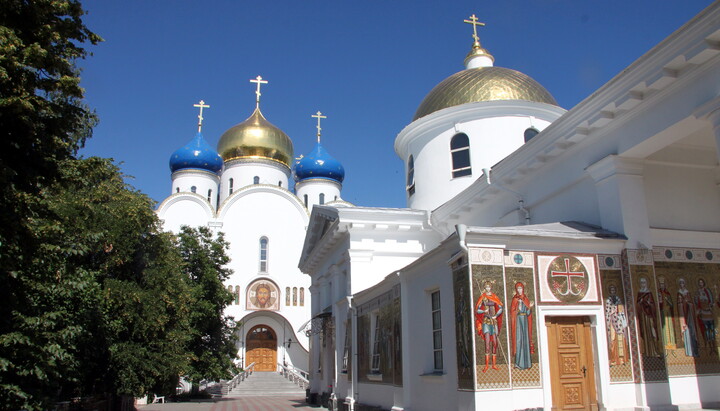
column 571, row 363
column 261, row 348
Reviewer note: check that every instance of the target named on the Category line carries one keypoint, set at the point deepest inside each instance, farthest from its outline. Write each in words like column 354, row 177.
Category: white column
column 315, row 347
column 621, row 198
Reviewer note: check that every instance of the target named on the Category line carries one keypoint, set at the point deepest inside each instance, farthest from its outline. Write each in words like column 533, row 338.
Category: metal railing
column 240, row 377
column 295, row 375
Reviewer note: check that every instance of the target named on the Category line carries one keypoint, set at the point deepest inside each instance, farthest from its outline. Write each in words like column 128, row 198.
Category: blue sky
column 365, row 64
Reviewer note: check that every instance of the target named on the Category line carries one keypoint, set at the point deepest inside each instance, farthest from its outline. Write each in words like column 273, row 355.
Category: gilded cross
column 568, row 275
column 200, row 105
column 258, row 80
column 318, row 116
column 474, row 21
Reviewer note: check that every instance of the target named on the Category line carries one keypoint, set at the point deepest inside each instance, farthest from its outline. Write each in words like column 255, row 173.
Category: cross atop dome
column 318, row 116
column 474, row 21
column 201, row 105
column 258, row 80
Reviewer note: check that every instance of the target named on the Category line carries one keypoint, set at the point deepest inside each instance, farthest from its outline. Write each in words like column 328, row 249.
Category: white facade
column 579, row 269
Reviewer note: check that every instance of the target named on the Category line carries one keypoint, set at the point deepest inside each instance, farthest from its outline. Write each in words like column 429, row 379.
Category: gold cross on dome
column 474, row 21
column 258, row 80
column 318, row 116
column 201, row 105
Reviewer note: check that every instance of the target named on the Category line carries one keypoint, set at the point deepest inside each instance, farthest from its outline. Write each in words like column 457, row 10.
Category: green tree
column 43, row 122
column 212, row 345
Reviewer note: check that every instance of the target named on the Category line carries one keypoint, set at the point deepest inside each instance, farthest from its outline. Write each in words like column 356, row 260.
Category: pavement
column 250, row 403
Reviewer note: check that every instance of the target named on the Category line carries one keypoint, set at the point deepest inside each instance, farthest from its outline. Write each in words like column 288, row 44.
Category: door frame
column 598, row 338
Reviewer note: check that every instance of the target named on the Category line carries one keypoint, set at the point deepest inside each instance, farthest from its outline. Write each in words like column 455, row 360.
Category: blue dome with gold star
column 319, row 164
column 197, row 154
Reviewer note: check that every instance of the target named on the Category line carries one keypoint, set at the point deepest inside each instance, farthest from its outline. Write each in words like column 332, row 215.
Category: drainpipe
column 354, row 358
column 521, row 207
column 461, row 230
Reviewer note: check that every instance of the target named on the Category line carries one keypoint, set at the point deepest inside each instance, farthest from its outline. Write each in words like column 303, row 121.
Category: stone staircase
column 267, row 384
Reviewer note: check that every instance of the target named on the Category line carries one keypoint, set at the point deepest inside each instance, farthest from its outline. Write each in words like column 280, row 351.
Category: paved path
column 254, row 403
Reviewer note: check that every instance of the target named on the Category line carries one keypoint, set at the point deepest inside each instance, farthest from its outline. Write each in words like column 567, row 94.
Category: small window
column 193, row 189
column 231, row 185
column 237, row 294
column 375, row 359
column 279, row 183
column 306, row 200
column 460, row 152
column 335, row 198
column 437, row 331
column 322, row 198
column 410, row 176
column 294, row 295
column 256, row 180
column 263, row 254
column 209, row 195
column 177, row 189
column 347, row 348
column 287, row 295
column 230, row 290
column 302, row 297
column 530, row 133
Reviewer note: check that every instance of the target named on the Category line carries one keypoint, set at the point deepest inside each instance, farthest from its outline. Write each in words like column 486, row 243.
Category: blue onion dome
column 197, row 154
column 319, row 164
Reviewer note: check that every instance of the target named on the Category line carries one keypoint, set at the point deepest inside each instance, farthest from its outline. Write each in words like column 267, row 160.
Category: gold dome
column 256, row 138
column 483, row 84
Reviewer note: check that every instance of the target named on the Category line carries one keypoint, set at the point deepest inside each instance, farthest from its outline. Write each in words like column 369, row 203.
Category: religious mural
column 463, row 326
column 522, row 321
column 688, row 287
column 567, row 279
column 262, row 295
column 616, row 318
column 379, row 339
column 490, row 312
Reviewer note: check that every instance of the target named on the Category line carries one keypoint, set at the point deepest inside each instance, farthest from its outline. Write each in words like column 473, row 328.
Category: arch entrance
column 261, row 348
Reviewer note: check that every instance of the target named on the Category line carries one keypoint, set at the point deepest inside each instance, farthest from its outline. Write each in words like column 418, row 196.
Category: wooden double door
column 261, row 348
column 572, row 370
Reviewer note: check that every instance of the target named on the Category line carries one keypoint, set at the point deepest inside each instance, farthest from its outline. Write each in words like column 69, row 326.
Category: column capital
column 613, row 165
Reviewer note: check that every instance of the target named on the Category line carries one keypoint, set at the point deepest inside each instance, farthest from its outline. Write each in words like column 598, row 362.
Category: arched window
column 530, row 133
column 230, row 290
column 305, row 198
column 237, row 294
column 287, row 295
column 302, row 297
column 256, row 180
column 460, row 152
column 193, row 189
column 294, row 295
column 263, row 254
column 335, row 198
column 279, row 183
column 177, row 189
column 322, row 198
column 410, row 176
column 231, row 183
column 209, row 195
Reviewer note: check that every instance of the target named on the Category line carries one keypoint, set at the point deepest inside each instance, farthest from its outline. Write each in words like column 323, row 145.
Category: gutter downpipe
column 522, row 208
column 461, row 230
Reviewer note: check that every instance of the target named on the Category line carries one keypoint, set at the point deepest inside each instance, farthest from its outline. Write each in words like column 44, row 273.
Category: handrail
column 240, row 377
column 295, row 375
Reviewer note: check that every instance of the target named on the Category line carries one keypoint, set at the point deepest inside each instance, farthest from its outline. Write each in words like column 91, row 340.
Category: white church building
column 243, row 190
column 548, row 259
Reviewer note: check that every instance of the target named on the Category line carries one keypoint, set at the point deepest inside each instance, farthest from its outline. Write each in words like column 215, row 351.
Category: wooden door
column 572, row 371
column 261, row 348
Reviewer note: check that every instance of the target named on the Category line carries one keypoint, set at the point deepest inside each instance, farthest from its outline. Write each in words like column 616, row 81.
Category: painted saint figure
column 704, row 302
column 647, row 320
column 617, row 324
column 686, row 313
column 521, row 328
column 667, row 314
column 488, row 323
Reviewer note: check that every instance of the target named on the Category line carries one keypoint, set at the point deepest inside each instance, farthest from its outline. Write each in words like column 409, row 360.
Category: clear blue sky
column 365, row 64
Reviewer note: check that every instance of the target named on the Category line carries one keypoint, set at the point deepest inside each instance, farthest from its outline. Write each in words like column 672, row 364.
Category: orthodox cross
column 318, row 116
column 258, row 80
column 201, row 105
column 474, row 21
column 569, row 275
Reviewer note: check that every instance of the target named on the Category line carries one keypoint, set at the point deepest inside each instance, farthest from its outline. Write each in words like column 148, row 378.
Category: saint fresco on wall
column 647, row 318
column 262, row 295
column 617, row 319
column 463, row 327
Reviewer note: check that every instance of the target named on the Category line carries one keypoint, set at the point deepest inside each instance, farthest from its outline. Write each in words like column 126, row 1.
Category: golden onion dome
column 256, row 138
column 483, row 84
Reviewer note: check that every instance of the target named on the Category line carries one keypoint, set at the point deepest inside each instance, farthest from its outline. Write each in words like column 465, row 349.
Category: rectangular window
column 375, row 361
column 346, row 351
column 436, row 331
